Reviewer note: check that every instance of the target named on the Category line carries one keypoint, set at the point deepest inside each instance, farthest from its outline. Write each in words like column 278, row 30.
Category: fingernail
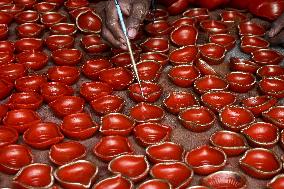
column 132, row 32
column 123, row 46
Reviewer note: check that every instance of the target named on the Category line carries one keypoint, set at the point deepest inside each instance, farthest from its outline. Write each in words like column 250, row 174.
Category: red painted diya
column 151, row 133
column 184, row 55
column 29, row 30
column 210, row 83
column 275, row 115
column 34, row 60
column 28, row 16
column 165, row 152
column 184, row 35
column 116, row 124
column 176, row 173
column 184, row 75
column 232, row 16
column 250, row 28
column 205, row 68
column 155, row 183
column 93, row 44
column 253, row 43
column 5, row 18
column 272, row 87
column 235, row 118
column 66, row 105
column 43, row 7
column 12, row 8
column 157, row 14
column 238, row 64
column 80, row 174
column 50, row 91
column 212, row 53
column 107, row 104
column 133, row 167
column 26, row 44
column 6, row 57
column 232, row 143
column 54, row 42
column 260, row 163
column 63, row 29
column 110, row 147
column 118, row 78
column 261, row 134
column 213, row 26
column 197, row 13
column 226, row 179
column 72, row 4
column 65, row 152
column 25, row 100
column 178, row 100
column 43, row 135
column 123, row 59
column 226, row 40
column 145, row 112
column 79, row 126
column 277, row 182
column 66, row 57
column 149, row 70
column 92, row 67
column 28, row 4
column 8, row 135
column 4, row 31
column 266, row 57
column 30, row 83
column 21, row 119
column 240, row 82
column 155, row 44
column 117, row 181
column 259, row 104
column 270, row 71
column 151, row 92
column 216, row 100
column 7, row 46
column 3, row 111
column 11, row 72
column 35, row 175
column 161, row 58
column 75, row 12
column 6, row 88
column 64, row 74
column 197, row 118
column 93, row 90
column 183, row 21
column 50, row 18
column 158, row 28
column 89, row 22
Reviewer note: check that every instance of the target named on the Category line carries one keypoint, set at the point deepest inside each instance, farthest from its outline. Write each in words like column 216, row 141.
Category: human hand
column 275, row 35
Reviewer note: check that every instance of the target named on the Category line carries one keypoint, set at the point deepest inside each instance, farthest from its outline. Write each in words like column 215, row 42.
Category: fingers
column 276, row 27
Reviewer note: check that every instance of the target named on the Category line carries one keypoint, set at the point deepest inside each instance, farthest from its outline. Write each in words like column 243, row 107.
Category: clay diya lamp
column 73, row 4
column 277, row 182
column 197, row 118
column 272, row 86
column 12, row 8
column 29, row 30
column 238, row 64
column 94, row 44
column 28, row 16
column 260, row 163
column 184, row 75
column 30, row 83
column 6, row 88
column 216, row 100
column 21, row 119
column 165, row 152
column 240, row 82
column 8, row 135
column 155, row 44
column 65, row 152
column 270, row 71
column 205, row 159
column 123, row 59
column 43, row 7
column 205, row 68
column 214, row 26
column 145, row 112
column 183, row 21
column 113, row 182
column 198, row 13
column 63, row 29
column 5, row 18
column 57, row 2
column 7, row 46
column 149, row 70
column 64, row 74
column 158, row 28
column 259, row 104
column 118, row 78
column 93, row 90
column 50, row 18
column 43, row 135
column 89, row 22
column 227, row 179
column 107, row 104
column 210, row 83
column 66, row 57
column 6, row 57
column 28, row 4
column 234, row 118
column 12, row 71
column 212, row 53
column 261, row 134
column 26, row 44
column 275, row 115
column 184, row 35
column 157, row 14
column 151, row 92
column 184, row 55
column 110, row 147
column 54, row 42
column 34, row 60
column 92, row 67
column 4, row 31
column 4, row 2
column 250, row 28
column 80, row 174
column 151, row 133
column 13, row 157
column 155, row 183
column 161, row 58
column 226, row 40
column 35, row 175
column 79, row 126
column 3, row 111
column 66, row 105
column 178, row 174
column 133, row 167
column 25, row 100
column 116, row 124
column 232, row 143
column 253, row 43
column 232, row 16
column 266, row 57
column 52, row 90
column 178, row 100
